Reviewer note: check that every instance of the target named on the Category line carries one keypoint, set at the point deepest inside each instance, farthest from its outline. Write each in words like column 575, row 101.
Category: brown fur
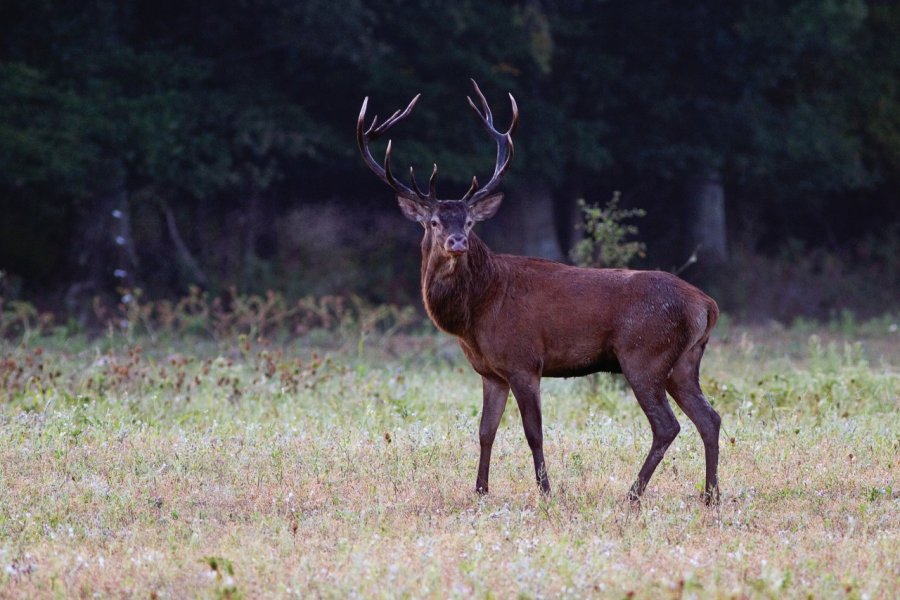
column 518, row 319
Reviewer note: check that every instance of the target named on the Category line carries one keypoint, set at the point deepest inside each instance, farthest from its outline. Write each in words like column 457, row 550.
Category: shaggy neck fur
column 453, row 288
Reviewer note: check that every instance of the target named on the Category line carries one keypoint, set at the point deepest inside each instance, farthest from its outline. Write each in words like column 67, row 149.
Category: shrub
column 605, row 233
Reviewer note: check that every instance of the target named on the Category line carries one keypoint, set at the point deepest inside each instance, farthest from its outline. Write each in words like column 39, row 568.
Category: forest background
column 162, row 145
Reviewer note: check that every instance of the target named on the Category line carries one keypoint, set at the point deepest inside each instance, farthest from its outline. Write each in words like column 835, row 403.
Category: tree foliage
column 247, row 106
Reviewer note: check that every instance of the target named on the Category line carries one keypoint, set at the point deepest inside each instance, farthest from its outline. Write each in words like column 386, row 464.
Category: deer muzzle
column 457, row 244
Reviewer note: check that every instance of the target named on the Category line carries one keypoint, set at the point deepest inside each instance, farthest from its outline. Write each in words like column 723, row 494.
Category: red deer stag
column 518, row 319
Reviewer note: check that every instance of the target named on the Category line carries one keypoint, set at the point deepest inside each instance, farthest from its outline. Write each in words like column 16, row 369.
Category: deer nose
column 457, row 242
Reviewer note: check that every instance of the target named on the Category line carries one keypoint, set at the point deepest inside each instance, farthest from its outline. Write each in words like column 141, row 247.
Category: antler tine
column 377, row 131
column 374, row 122
column 364, row 136
column 431, row 196
column 396, row 117
column 504, row 144
column 487, row 109
column 432, row 189
column 515, row 115
column 472, row 189
column 412, row 178
column 389, row 177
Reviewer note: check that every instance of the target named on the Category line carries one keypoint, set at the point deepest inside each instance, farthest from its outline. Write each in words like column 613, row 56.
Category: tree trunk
column 103, row 257
column 188, row 262
column 705, row 218
column 568, row 215
column 525, row 224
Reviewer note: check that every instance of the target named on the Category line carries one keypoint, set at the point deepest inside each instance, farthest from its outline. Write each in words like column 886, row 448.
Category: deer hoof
column 634, row 496
column 711, row 497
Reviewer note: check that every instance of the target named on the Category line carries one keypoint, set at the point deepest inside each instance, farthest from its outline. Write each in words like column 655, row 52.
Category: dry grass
column 194, row 470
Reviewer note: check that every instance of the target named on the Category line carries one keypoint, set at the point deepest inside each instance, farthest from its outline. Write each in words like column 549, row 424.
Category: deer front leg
column 527, row 390
column 495, row 392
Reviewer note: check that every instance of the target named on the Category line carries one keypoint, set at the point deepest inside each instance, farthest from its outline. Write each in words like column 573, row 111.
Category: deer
column 518, row 319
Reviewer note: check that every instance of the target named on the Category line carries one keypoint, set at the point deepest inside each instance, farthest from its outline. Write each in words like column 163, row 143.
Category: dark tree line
column 160, row 144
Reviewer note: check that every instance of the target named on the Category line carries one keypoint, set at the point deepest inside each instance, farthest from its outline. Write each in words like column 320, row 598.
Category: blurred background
column 169, row 146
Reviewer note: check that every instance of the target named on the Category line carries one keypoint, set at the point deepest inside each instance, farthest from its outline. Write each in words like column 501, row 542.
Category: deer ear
column 486, row 207
column 412, row 210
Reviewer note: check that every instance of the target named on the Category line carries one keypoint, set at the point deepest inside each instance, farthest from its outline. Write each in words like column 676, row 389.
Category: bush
column 604, row 243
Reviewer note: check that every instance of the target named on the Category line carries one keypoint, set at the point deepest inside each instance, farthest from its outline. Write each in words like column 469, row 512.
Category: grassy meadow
column 342, row 465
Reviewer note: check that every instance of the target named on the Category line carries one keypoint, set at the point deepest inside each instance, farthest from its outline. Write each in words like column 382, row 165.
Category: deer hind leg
column 496, row 392
column 527, row 390
column 684, row 386
column 651, row 395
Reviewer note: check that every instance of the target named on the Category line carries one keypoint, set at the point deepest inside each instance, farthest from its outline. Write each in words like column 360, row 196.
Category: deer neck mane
column 453, row 289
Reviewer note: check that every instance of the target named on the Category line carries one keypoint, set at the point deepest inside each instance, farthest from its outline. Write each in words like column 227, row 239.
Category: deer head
column 447, row 223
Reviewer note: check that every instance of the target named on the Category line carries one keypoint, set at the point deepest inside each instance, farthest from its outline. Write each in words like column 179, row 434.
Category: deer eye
column 435, row 223
column 469, row 223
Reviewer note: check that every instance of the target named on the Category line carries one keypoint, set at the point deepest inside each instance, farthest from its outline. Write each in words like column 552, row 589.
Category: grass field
column 184, row 468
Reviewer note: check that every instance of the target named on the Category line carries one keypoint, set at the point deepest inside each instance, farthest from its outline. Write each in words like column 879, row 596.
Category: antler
column 504, row 145
column 375, row 131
